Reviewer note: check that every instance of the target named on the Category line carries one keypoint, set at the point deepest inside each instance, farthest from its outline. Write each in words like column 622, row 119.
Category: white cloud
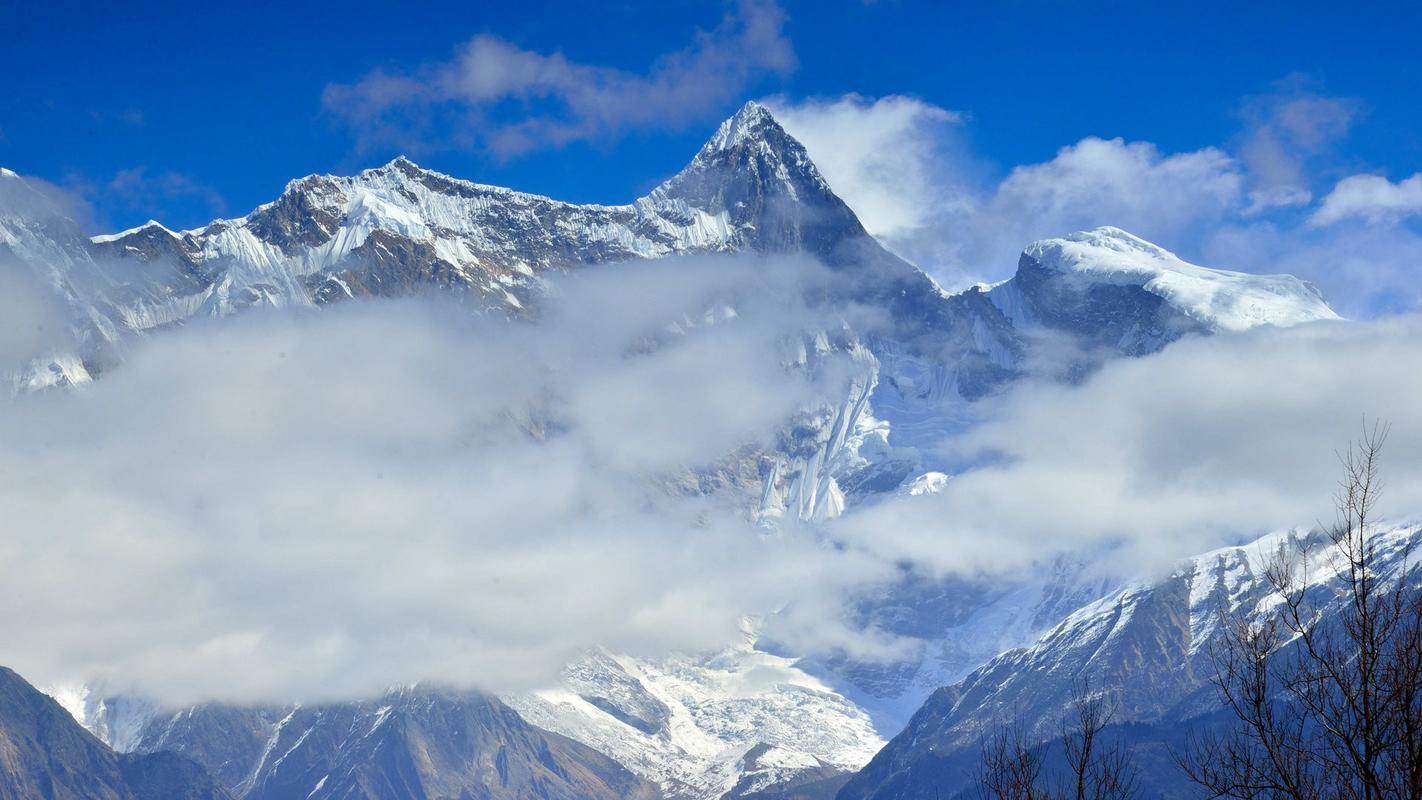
column 1165, row 198
column 1284, row 133
column 455, row 103
column 1096, row 182
column 882, row 156
column 1212, row 440
column 324, row 504
column 899, row 163
column 1372, row 199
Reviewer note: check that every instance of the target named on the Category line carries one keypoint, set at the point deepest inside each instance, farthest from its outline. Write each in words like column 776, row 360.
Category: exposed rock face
column 231, row 742
column 44, row 753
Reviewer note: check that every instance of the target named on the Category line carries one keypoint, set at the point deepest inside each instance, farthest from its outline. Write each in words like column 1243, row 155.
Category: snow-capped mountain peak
column 751, row 122
column 750, row 168
column 1221, row 299
column 910, row 376
column 151, row 224
column 1116, row 292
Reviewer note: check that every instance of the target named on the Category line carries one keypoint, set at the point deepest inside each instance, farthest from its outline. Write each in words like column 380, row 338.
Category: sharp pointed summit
column 751, row 146
column 752, row 121
column 763, row 182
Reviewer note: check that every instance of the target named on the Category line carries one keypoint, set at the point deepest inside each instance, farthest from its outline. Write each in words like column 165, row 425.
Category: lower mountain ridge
column 1146, row 648
column 415, row 743
column 45, row 753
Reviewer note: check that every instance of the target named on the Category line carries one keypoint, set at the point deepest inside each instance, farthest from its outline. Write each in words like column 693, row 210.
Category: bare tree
column 1012, row 769
column 1327, row 705
column 1098, row 770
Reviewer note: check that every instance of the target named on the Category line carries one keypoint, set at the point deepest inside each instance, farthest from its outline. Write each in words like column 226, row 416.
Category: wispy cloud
column 135, row 191
column 138, row 189
column 555, row 100
column 1285, row 132
column 1161, row 196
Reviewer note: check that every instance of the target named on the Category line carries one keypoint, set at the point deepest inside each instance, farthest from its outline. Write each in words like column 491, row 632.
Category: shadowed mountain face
column 44, row 753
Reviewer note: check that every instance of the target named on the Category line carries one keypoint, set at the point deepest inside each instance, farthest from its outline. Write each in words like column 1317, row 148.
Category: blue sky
column 183, row 113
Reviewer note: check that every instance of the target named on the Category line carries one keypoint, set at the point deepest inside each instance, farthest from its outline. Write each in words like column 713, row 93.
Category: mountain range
column 747, row 721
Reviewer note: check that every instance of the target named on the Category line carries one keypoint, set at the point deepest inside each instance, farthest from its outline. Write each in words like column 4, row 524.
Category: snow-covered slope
column 1119, row 290
column 45, row 264
column 689, row 723
column 1147, row 643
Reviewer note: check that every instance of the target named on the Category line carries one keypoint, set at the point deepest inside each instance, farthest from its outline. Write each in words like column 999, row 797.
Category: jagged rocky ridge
column 400, row 229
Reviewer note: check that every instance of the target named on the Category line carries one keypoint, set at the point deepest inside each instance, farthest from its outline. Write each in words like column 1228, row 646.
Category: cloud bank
column 325, row 504
column 319, row 505
column 1211, row 441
